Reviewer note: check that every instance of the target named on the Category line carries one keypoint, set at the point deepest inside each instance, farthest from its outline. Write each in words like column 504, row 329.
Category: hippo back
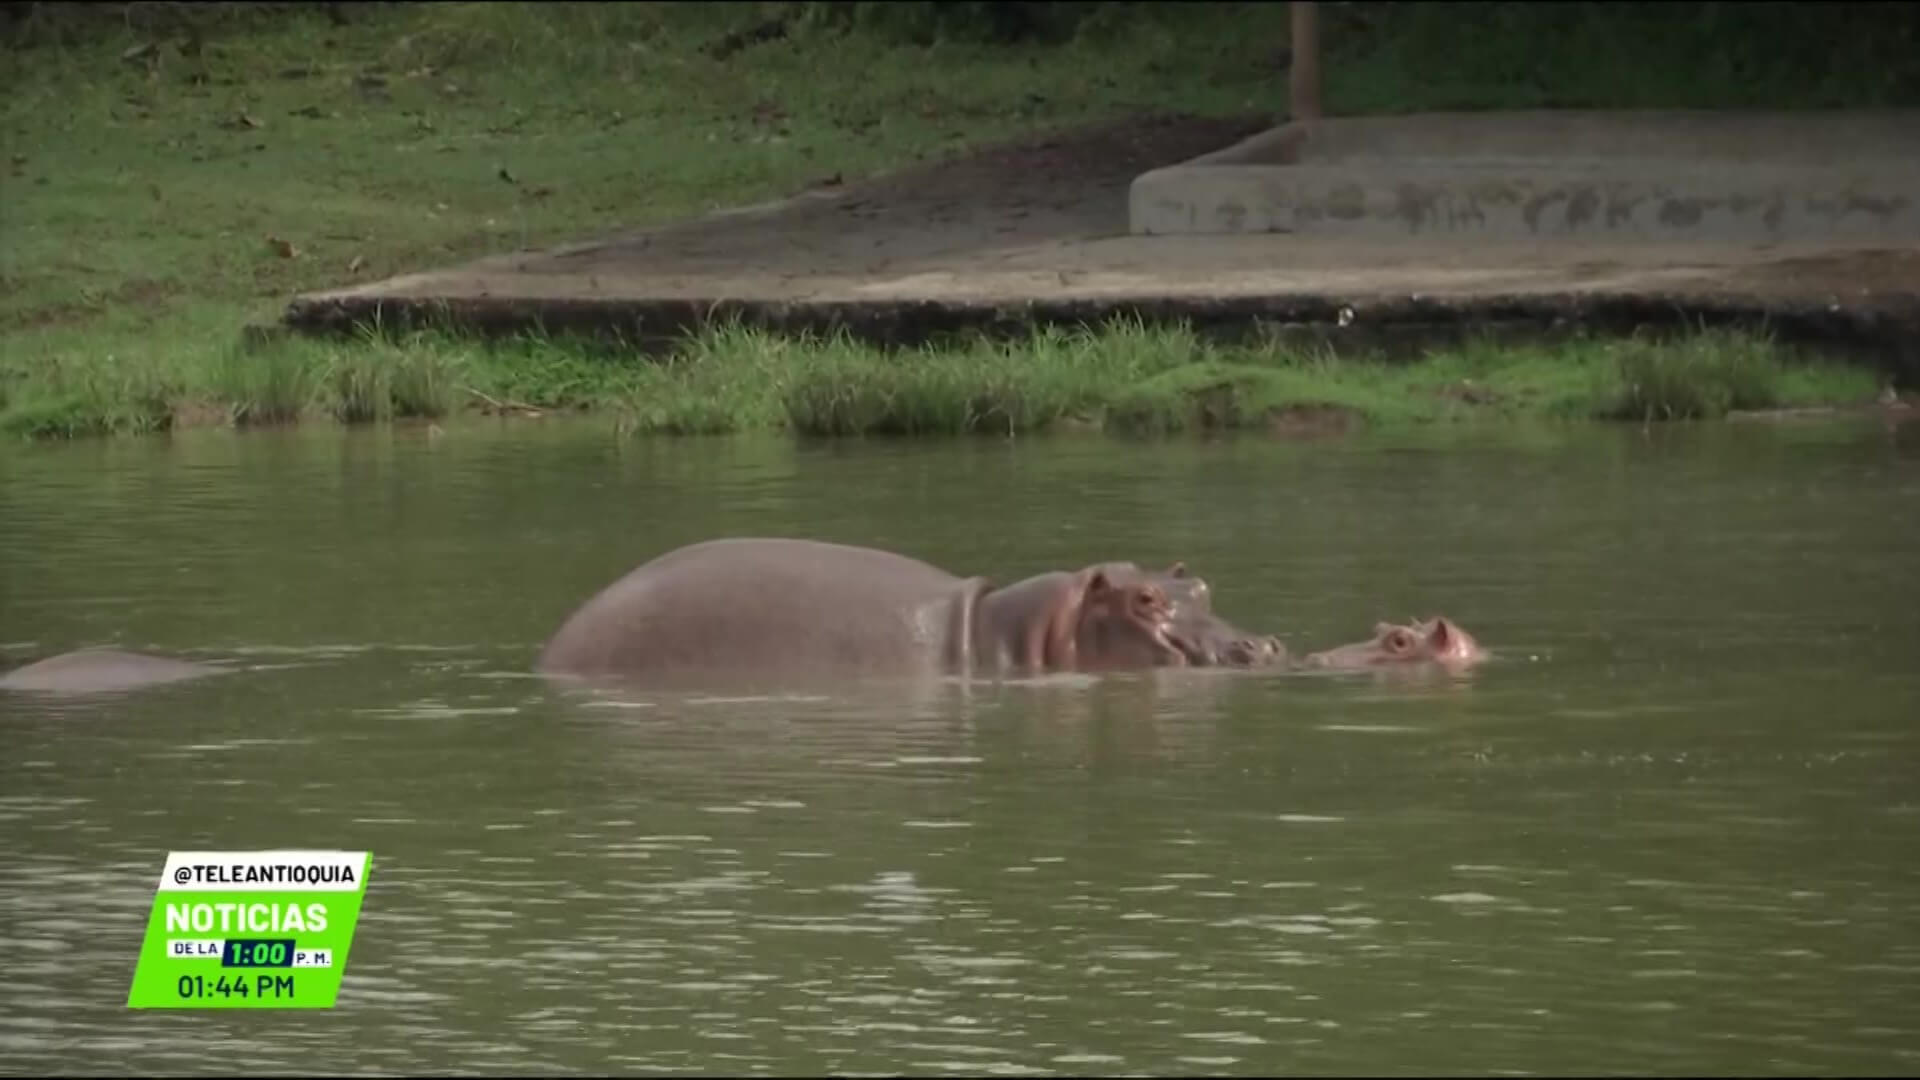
column 768, row 607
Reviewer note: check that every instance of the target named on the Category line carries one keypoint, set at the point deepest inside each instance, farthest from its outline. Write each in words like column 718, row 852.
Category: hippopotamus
column 102, row 671
column 1207, row 639
column 1436, row 641
column 757, row 606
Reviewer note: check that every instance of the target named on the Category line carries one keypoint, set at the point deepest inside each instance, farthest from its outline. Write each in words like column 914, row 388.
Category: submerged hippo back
column 102, row 671
column 766, row 606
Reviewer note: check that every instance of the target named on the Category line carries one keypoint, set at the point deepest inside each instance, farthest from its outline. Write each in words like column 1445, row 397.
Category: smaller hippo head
column 1251, row 651
column 1124, row 624
column 1437, row 640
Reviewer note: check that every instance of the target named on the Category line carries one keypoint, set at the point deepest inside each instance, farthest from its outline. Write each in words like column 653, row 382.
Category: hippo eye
column 1400, row 641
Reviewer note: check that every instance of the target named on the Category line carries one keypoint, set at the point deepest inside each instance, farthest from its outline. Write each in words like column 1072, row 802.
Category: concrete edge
column 1681, row 201
column 1286, row 139
column 1270, row 182
column 767, row 209
column 1886, row 336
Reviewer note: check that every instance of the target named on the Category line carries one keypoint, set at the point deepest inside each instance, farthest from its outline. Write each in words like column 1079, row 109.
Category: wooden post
column 1303, row 93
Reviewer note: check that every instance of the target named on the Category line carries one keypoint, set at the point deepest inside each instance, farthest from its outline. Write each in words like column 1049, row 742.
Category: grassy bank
column 1121, row 378
column 166, row 187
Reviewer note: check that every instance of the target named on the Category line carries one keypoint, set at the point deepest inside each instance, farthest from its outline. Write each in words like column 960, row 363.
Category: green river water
column 1671, row 829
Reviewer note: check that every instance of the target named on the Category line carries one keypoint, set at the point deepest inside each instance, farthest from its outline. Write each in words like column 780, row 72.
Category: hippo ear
column 1178, row 570
column 1440, row 632
column 1098, row 583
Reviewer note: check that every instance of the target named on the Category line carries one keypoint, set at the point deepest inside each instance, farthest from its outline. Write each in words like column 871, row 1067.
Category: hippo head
column 1437, row 641
column 1122, row 624
column 1205, row 639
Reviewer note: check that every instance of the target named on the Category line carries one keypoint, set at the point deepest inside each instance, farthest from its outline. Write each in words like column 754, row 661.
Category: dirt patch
column 1882, row 278
column 1467, row 393
column 1312, row 421
column 1063, row 186
column 1891, row 408
column 199, row 414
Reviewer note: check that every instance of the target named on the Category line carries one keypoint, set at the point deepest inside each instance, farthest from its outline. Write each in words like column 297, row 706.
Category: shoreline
column 1125, row 379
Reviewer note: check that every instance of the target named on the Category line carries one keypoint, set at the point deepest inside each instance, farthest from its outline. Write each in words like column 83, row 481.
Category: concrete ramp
column 1037, row 232
column 1686, row 176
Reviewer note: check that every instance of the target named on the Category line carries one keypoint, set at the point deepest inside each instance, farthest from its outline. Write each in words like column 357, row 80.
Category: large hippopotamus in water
column 102, row 671
column 774, row 607
column 770, row 606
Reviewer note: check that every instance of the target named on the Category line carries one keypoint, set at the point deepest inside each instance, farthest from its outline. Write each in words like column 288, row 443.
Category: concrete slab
column 1735, row 177
column 1038, row 232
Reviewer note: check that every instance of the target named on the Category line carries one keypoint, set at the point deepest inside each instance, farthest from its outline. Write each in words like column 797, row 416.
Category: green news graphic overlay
column 250, row 930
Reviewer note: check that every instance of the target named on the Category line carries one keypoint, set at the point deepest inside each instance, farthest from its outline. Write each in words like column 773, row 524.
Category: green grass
column 379, row 146
column 1123, row 378
column 1623, row 54
column 146, row 194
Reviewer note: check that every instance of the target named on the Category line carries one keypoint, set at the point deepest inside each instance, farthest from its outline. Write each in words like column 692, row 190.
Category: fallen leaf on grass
column 354, row 266
column 283, row 248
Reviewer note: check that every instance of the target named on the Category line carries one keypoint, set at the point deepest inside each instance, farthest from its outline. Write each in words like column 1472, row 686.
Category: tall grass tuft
column 378, row 380
column 1702, row 376
column 271, row 385
column 104, row 395
column 981, row 386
